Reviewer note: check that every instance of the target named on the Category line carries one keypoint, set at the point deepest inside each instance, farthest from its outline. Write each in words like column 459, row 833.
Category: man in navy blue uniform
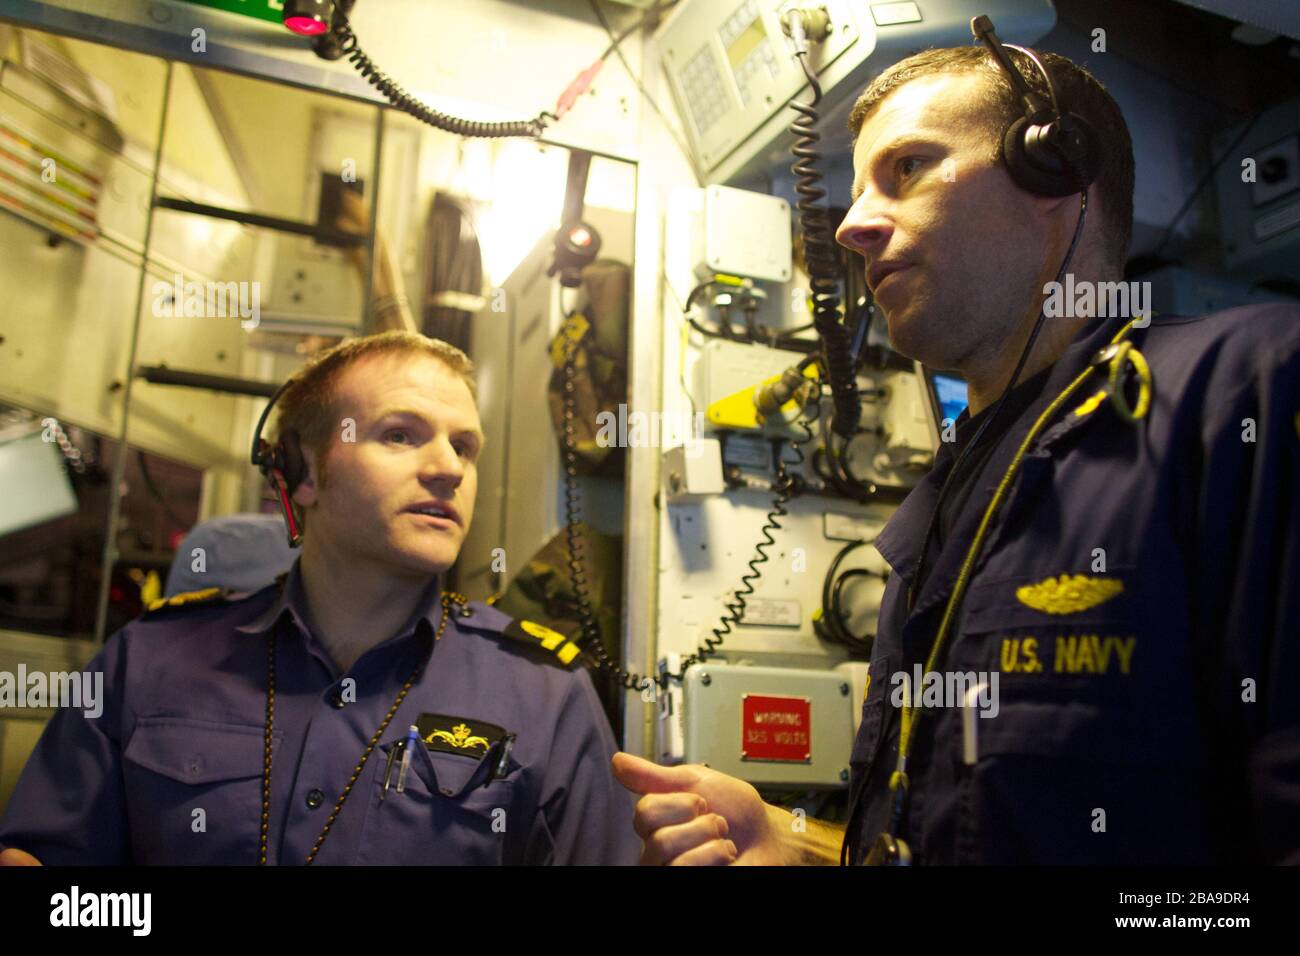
column 355, row 711
column 1118, row 556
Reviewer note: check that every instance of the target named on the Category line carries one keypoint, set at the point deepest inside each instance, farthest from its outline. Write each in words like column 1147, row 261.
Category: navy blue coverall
column 1149, row 700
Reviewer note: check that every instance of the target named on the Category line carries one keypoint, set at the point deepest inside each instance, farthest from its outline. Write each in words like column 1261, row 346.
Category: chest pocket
column 1076, row 650
column 194, row 790
column 1050, row 629
column 445, row 816
column 1090, row 751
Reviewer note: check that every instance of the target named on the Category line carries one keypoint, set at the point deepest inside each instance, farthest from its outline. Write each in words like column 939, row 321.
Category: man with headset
column 356, row 711
column 1113, row 533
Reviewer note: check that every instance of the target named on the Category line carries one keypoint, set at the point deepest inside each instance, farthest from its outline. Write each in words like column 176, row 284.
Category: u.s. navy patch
column 458, row 735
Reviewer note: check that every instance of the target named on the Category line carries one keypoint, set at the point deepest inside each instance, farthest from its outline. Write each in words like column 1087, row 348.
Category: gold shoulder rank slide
column 195, row 598
column 536, row 635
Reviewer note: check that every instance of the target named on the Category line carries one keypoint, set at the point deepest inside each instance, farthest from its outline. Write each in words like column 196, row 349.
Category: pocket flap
column 452, row 775
column 197, row 751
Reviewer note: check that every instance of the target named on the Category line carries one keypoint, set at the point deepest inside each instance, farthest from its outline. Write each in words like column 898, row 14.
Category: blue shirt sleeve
column 587, row 814
column 69, row 806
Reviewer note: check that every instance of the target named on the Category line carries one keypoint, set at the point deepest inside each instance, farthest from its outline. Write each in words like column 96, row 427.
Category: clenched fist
column 694, row 816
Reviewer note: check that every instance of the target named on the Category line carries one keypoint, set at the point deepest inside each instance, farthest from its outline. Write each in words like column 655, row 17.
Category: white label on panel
column 771, row 612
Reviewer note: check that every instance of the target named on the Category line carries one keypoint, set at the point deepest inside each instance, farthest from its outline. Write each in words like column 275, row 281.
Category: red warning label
column 776, row 728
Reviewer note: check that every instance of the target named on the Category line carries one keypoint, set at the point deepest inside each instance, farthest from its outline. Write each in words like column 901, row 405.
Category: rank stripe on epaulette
column 204, row 596
column 539, row 635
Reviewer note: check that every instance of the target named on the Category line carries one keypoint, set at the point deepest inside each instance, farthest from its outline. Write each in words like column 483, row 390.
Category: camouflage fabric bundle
column 598, row 339
column 543, row 592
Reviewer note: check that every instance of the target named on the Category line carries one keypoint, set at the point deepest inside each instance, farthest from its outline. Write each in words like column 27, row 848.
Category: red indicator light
column 306, row 26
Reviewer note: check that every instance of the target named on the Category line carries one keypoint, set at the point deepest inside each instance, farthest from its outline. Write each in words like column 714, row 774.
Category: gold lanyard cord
column 448, row 598
column 1120, row 352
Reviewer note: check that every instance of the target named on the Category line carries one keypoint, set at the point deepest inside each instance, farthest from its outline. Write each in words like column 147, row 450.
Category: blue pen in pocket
column 408, row 749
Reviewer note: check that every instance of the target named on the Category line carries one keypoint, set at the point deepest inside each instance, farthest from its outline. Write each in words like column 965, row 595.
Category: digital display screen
column 739, row 49
column 949, row 395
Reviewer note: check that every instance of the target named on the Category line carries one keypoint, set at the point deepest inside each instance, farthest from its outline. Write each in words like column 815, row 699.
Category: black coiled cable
column 786, row 485
column 407, row 103
column 823, row 262
column 785, row 489
column 591, row 642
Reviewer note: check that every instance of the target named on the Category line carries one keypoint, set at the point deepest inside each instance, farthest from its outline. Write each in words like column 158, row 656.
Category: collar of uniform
column 292, row 601
column 478, row 616
column 281, row 606
column 422, row 621
column 425, row 617
column 900, row 541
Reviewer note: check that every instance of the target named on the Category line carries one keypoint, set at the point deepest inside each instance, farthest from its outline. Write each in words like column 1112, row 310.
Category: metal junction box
column 776, row 727
column 740, row 232
column 1260, row 215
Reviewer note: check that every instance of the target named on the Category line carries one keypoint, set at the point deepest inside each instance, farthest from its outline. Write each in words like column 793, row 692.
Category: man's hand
column 16, row 857
column 694, row 816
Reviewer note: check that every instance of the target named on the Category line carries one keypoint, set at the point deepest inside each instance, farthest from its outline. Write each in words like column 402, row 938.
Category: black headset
column 283, row 465
column 1047, row 152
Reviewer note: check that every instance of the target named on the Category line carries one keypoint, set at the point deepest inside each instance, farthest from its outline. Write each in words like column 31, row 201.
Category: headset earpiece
column 290, row 459
column 1055, row 158
column 1048, row 151
column 282, row 464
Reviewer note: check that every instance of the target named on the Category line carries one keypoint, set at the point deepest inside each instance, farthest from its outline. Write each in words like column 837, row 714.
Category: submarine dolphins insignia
column 1069, row 593
column 459, row 737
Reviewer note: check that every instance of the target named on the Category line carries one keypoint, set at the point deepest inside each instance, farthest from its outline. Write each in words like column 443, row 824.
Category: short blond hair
column 309, row 404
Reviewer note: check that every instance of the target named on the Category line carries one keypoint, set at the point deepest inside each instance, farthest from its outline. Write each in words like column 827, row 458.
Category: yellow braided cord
column 959, row 588
column 1143, row 370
